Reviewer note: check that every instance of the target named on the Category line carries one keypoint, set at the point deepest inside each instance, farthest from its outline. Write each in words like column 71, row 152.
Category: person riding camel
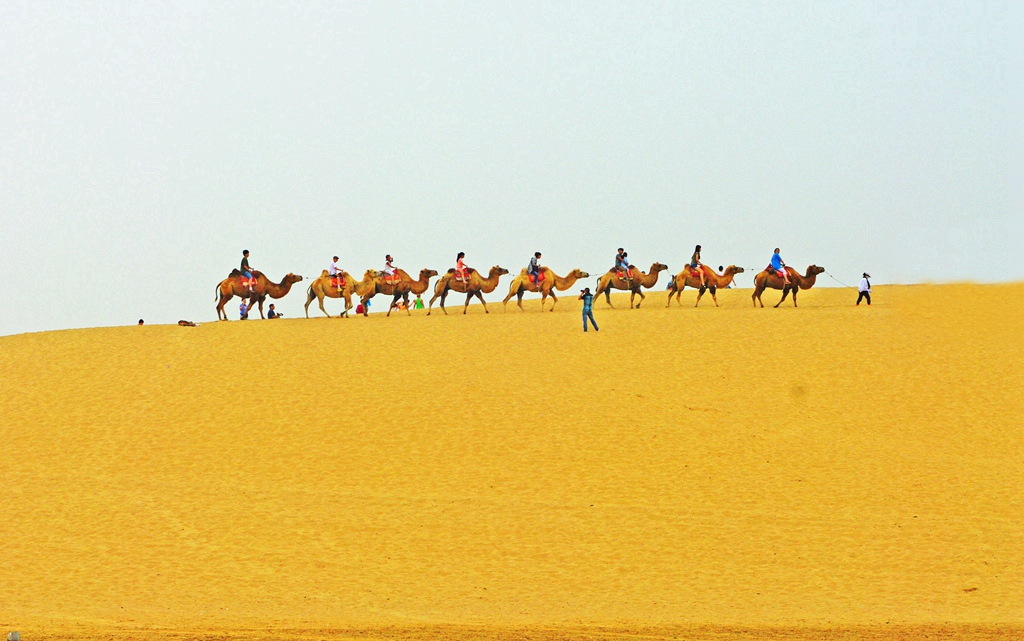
column 335, row 273
column 618, row 259
column 533, row 269
column 389, row 269
column 695, row 265
column 779, row 266
column 461, row 271
column 245, row 269
column 625, row 267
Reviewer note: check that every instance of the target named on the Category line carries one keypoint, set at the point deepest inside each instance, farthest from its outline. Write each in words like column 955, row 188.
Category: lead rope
column 839, row 281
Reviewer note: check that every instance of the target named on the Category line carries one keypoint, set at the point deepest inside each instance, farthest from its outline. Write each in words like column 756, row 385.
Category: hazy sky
column 144, row 145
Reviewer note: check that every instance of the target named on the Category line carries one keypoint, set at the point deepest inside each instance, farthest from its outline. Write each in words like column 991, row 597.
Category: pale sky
column 144, row 145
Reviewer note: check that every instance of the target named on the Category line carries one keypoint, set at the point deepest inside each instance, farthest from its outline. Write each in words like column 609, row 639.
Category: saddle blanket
column 536, row 279
column 338, row 281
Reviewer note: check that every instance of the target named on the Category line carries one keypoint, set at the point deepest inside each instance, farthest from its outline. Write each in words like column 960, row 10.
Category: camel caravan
column 254, row 288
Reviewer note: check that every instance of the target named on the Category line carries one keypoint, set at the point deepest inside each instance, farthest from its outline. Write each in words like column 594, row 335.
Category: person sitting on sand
column 779, row 266
column 695, row 264
column 533, row 269
column 243, row 310
column 273, row 312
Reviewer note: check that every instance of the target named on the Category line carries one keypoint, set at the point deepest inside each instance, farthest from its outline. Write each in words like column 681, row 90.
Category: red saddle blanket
column 622, row 274
column 391, row 280
column 536, row 279
column 338, row 281
column 245, row 281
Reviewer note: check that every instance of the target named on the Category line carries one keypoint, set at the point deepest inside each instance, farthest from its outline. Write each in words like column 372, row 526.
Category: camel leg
column 320, row 300
column 348, row 306
column 700, row 294
column 714, row 297
column 220, row 308
column 465, row 308
column 520, row 300
column 607, row 296
column 785, row 292
column 405, row 299
column 259, row 301
column 480, row 295
column 795, row 290
column 642, row 297
column 554, row 300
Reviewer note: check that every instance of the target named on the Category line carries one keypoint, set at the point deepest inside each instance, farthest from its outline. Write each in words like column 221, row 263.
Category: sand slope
column 821, row 467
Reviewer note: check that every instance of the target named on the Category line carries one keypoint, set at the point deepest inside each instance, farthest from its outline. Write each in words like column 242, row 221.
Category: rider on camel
column 779, row 266
column 461, row 271
column 533, row 269
column 335, row 272
column 245, row 269
column 695, row 265
column 389, row 269
column 625, row 267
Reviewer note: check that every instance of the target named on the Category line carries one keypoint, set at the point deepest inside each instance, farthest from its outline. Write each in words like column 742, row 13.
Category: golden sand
column 693, row 473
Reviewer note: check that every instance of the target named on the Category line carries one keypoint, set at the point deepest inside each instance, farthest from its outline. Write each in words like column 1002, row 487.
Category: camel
column 322, row 287
column 263, row 287
column 551, row 282
column 398, row 287
column 797, row 282
column 475, row 285
column 712, row 282
column 611, row 280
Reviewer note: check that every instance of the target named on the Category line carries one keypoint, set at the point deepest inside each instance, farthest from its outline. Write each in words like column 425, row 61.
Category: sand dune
column 700, row 473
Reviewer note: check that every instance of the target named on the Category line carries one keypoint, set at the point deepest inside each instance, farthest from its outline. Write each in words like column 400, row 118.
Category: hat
column 867, row 275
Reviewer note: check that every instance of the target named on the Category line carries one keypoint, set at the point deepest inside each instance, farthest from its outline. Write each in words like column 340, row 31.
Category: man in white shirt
column 335, row 272
column 864, row 289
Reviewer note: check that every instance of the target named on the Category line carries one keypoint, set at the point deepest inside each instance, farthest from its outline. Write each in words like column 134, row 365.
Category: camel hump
column 234, row 273
column 324, row 274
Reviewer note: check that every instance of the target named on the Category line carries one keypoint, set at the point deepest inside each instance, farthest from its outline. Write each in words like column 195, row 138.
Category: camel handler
column 245, row 269
column 533, row 269
column 864, row 289
column 779, row 266
column 695, row 264
column 334, row 271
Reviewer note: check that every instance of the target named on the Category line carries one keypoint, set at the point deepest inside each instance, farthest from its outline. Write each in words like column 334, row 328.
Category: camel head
column 427, row 273
column 733, row 269
column 498, row 270
column 371, row 274
column 579, row 274
column 291, row 278
column 658, row 267
column 814, row 270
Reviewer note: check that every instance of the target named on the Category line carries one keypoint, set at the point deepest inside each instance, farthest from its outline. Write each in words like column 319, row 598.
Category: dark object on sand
column 185, row 323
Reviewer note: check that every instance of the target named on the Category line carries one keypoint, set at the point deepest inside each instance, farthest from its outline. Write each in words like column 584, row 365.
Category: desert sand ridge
column 700, row 473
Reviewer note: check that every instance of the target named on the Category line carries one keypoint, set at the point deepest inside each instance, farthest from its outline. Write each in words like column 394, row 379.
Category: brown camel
column 712, row 282
column 551, row 282
column 611, row 280
column 322, row 287
column 474, row 285
column 398, row 287
column 768, row 279
column 262, row 287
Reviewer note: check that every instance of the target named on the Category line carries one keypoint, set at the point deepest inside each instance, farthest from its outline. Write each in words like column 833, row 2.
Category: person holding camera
column 588, row 308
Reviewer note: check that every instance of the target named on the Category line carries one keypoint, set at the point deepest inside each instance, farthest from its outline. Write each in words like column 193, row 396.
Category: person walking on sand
column 864, row 289
column 588, row 309
column 695, row 264
column 779, row 266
